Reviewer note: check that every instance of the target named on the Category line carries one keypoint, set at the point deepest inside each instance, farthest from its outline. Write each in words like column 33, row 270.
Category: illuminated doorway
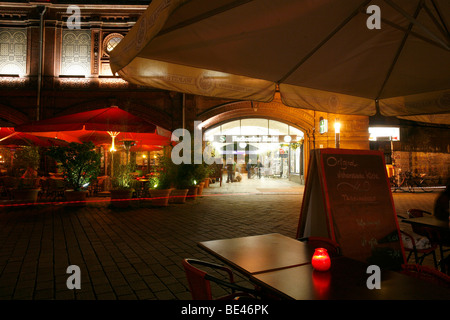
column 276, row 145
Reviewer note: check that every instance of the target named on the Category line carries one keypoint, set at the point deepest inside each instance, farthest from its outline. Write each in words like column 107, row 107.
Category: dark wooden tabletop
column 428, row 222
column 346, row 280
column 254, row 254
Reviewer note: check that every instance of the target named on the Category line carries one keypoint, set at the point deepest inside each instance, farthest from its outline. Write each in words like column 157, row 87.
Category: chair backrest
column 332, row 247
column 200, row 287
column 417, row 213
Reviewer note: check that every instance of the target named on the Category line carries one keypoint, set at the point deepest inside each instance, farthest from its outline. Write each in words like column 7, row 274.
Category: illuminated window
column 111, row 42
column 13, row 51
column 323, row 125
column 384, row 133
column 76, row 53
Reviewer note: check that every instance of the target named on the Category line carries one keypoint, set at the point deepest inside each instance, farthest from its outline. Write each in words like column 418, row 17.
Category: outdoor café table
column 346, row 280
column 254, row 254
column 431, row 222
column 442, row 228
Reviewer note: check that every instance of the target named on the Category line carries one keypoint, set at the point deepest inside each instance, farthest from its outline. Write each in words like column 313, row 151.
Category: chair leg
column 409, row 256
column 435, row 260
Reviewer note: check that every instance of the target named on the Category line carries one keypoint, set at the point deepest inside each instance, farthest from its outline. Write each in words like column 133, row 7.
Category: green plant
column 123, row 178
column 26, row 158
column 79, row 161
column 184, row 176
column 165, row 174
column 201, row 172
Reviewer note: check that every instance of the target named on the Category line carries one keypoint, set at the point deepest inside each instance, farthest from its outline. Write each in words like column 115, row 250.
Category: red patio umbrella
column 11, row 138
column 99, row 126
column 99, row 138
column 111, row 119
column 144, row 147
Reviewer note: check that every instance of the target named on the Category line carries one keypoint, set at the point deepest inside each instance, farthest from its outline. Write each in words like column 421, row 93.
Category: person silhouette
column 249, row 168
column 441, row 204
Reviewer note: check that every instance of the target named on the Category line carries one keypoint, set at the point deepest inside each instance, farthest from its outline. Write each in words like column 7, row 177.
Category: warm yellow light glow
column 11, row 68
column 337, row 127
column 113, row 136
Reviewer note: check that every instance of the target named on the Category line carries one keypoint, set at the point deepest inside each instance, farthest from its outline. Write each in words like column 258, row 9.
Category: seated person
column 441, row 205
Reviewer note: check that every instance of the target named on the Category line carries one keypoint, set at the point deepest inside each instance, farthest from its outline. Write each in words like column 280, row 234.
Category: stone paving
column 136, row 253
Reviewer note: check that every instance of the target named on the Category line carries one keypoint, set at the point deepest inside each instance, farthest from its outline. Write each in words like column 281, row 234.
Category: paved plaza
column 136, row 253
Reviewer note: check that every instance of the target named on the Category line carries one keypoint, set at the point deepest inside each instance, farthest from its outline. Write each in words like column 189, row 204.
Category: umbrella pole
column 112, row 163
column 105, row 153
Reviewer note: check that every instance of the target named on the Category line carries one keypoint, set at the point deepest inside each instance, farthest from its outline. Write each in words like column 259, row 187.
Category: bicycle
column 410, row 182
column 419, row 182
column 401, row 180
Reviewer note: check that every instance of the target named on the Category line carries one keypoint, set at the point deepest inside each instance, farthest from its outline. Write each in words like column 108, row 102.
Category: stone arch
column 302, row 119
column 299, row 118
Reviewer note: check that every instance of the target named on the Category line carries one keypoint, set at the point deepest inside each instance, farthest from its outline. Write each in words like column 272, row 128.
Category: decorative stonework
column 96, row 52
column 14, row 82
column 13, row 51
column 76, row 52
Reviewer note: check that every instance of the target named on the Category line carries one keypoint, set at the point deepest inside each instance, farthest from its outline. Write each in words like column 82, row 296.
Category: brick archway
column 299, row 118
column 302, row 119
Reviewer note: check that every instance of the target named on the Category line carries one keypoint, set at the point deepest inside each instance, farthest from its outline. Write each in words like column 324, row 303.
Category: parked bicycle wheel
column 423, row 185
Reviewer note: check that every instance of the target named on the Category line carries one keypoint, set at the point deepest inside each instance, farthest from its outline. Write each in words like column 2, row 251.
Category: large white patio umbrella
column 319, row 54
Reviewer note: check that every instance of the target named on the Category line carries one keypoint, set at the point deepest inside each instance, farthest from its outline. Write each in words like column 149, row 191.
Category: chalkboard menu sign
column 348, row 199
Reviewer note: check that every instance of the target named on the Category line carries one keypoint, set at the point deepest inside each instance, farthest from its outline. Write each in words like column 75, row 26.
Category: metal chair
column 56, row 188
column 435, row 236
column 417, row 213
column 333, row 248
column 420, row 254
column 200, row 286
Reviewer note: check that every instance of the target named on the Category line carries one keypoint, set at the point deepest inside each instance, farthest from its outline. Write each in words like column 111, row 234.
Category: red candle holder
column 321, row 260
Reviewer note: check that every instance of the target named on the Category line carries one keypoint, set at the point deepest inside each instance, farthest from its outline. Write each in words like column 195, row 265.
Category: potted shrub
column 183, row 181
column 25, row 165
column 200, row 173
column 165, row 174
column 80, row 164
column 122, row 186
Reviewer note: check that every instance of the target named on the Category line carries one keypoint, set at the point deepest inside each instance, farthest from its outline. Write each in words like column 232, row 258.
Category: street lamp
column 337, row 131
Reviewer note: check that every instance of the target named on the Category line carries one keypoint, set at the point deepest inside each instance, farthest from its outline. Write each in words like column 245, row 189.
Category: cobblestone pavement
column 136, row 253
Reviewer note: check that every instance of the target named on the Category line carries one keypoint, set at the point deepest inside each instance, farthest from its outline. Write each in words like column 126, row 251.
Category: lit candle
column 321, row 260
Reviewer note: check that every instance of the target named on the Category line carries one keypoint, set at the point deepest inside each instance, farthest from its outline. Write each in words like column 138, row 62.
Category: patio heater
column 113, row 135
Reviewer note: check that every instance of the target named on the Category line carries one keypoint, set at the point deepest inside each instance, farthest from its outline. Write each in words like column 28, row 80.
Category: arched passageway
column 260, row 147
